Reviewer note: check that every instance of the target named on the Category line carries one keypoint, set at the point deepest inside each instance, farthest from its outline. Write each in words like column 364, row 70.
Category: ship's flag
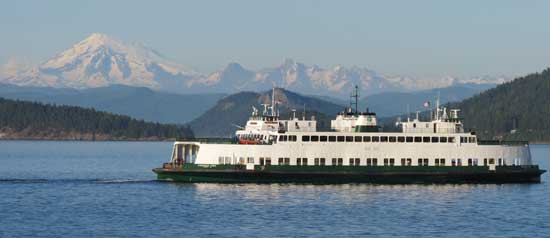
column 426, row 104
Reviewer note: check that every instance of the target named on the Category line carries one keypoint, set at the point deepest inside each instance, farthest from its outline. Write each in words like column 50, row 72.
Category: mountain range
column 137, row 102
column 101, row 60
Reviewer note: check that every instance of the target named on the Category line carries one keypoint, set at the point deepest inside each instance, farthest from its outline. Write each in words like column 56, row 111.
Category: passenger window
column 409, row 139
column 357, row 161
column 401, row 139
column 314, row 138
column 316, row 161
column 358, row 139
column 375, row 161
column 442, row 162
column 443, row 139
column 332, row 138
column 366, row 138
column 385, row 161
column 435, row 139
column 340, row 138
column 417, row 139
column 281, row 161
column 426, row 162
column 304, row 161
column 298, row 161
column 349, row 138
column 383, row 139
column 369, row 163
column 287, row 161
column 267, row 161
column 340, row 161
column 305, row 138
column 375, row 139
column 451, row 140
column 323, row 138
column 392, row 162
column 426, row 139
column 351, row 161
column 333, row 161
column 323, row 162
column 392, row 139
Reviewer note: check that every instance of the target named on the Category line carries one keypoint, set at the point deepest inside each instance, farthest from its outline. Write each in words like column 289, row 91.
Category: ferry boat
column 273, row 150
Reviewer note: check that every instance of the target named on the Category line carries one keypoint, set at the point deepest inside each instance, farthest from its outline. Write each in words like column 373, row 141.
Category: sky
column 413, row 38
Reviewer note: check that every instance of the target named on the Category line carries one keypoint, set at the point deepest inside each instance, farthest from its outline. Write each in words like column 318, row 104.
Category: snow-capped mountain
column 100, row 60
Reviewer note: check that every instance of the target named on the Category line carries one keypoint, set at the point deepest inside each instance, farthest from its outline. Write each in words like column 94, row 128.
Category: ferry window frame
column 351, row 162
column 369, row 162
column 314, row 138
column 436, row 162
column 420, row 162
column 316, row 161
column 340, row 138
column 298, row 161
column 366, row 138
column 435, row 139
column 386, row 161
column 375, row 139
column 267, row 161
column 409, row 139
column 392, row 161
column 426, row 139
column 221, row 160
column 383, row 139
column 443, row 139
column 262, row 161
column 392, row 139
column 349, row 138
column 374, row 161
column 292, row 138
column 442, row 162
column 358, row 139
column 357, row 161
column 323, row 138
column 304, row 161
column 403, row 162
column 471, row 140
column 249, row 160
column 305, row 138
column 401, row 139
column 451, row 140
column 280, row 161
column 426, row 162
column 340, row 161
column 333, row 162
column 322, row 162
column 332, row 138
column 418, row 139
column 287, row 161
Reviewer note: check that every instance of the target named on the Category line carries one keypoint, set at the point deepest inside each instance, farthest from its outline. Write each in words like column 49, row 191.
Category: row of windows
column 390, row 139
column 368, row 161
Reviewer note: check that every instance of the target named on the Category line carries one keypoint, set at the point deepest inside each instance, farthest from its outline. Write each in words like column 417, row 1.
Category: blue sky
column 416, row 38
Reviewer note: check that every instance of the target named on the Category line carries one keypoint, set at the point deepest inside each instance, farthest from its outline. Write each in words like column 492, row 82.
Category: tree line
column 41, row 118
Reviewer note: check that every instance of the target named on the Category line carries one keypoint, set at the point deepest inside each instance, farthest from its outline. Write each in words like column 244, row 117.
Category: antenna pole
column 273, row 102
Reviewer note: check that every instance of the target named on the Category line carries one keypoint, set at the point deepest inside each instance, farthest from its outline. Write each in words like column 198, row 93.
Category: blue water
column 107, row 189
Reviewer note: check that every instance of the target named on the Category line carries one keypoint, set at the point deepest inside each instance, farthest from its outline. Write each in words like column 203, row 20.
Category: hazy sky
column 416, row 38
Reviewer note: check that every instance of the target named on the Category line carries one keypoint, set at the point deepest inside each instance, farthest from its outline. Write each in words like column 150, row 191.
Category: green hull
column 349, row 174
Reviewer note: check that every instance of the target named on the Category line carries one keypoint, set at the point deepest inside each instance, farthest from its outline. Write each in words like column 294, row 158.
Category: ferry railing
column 501, row 142
column 213, row 140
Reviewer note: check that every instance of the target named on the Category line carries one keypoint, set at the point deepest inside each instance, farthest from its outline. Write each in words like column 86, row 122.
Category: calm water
column 107, row 189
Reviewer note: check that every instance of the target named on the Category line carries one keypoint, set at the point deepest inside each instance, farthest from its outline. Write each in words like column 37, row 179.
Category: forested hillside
column 517, row 110
column 31, row 120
